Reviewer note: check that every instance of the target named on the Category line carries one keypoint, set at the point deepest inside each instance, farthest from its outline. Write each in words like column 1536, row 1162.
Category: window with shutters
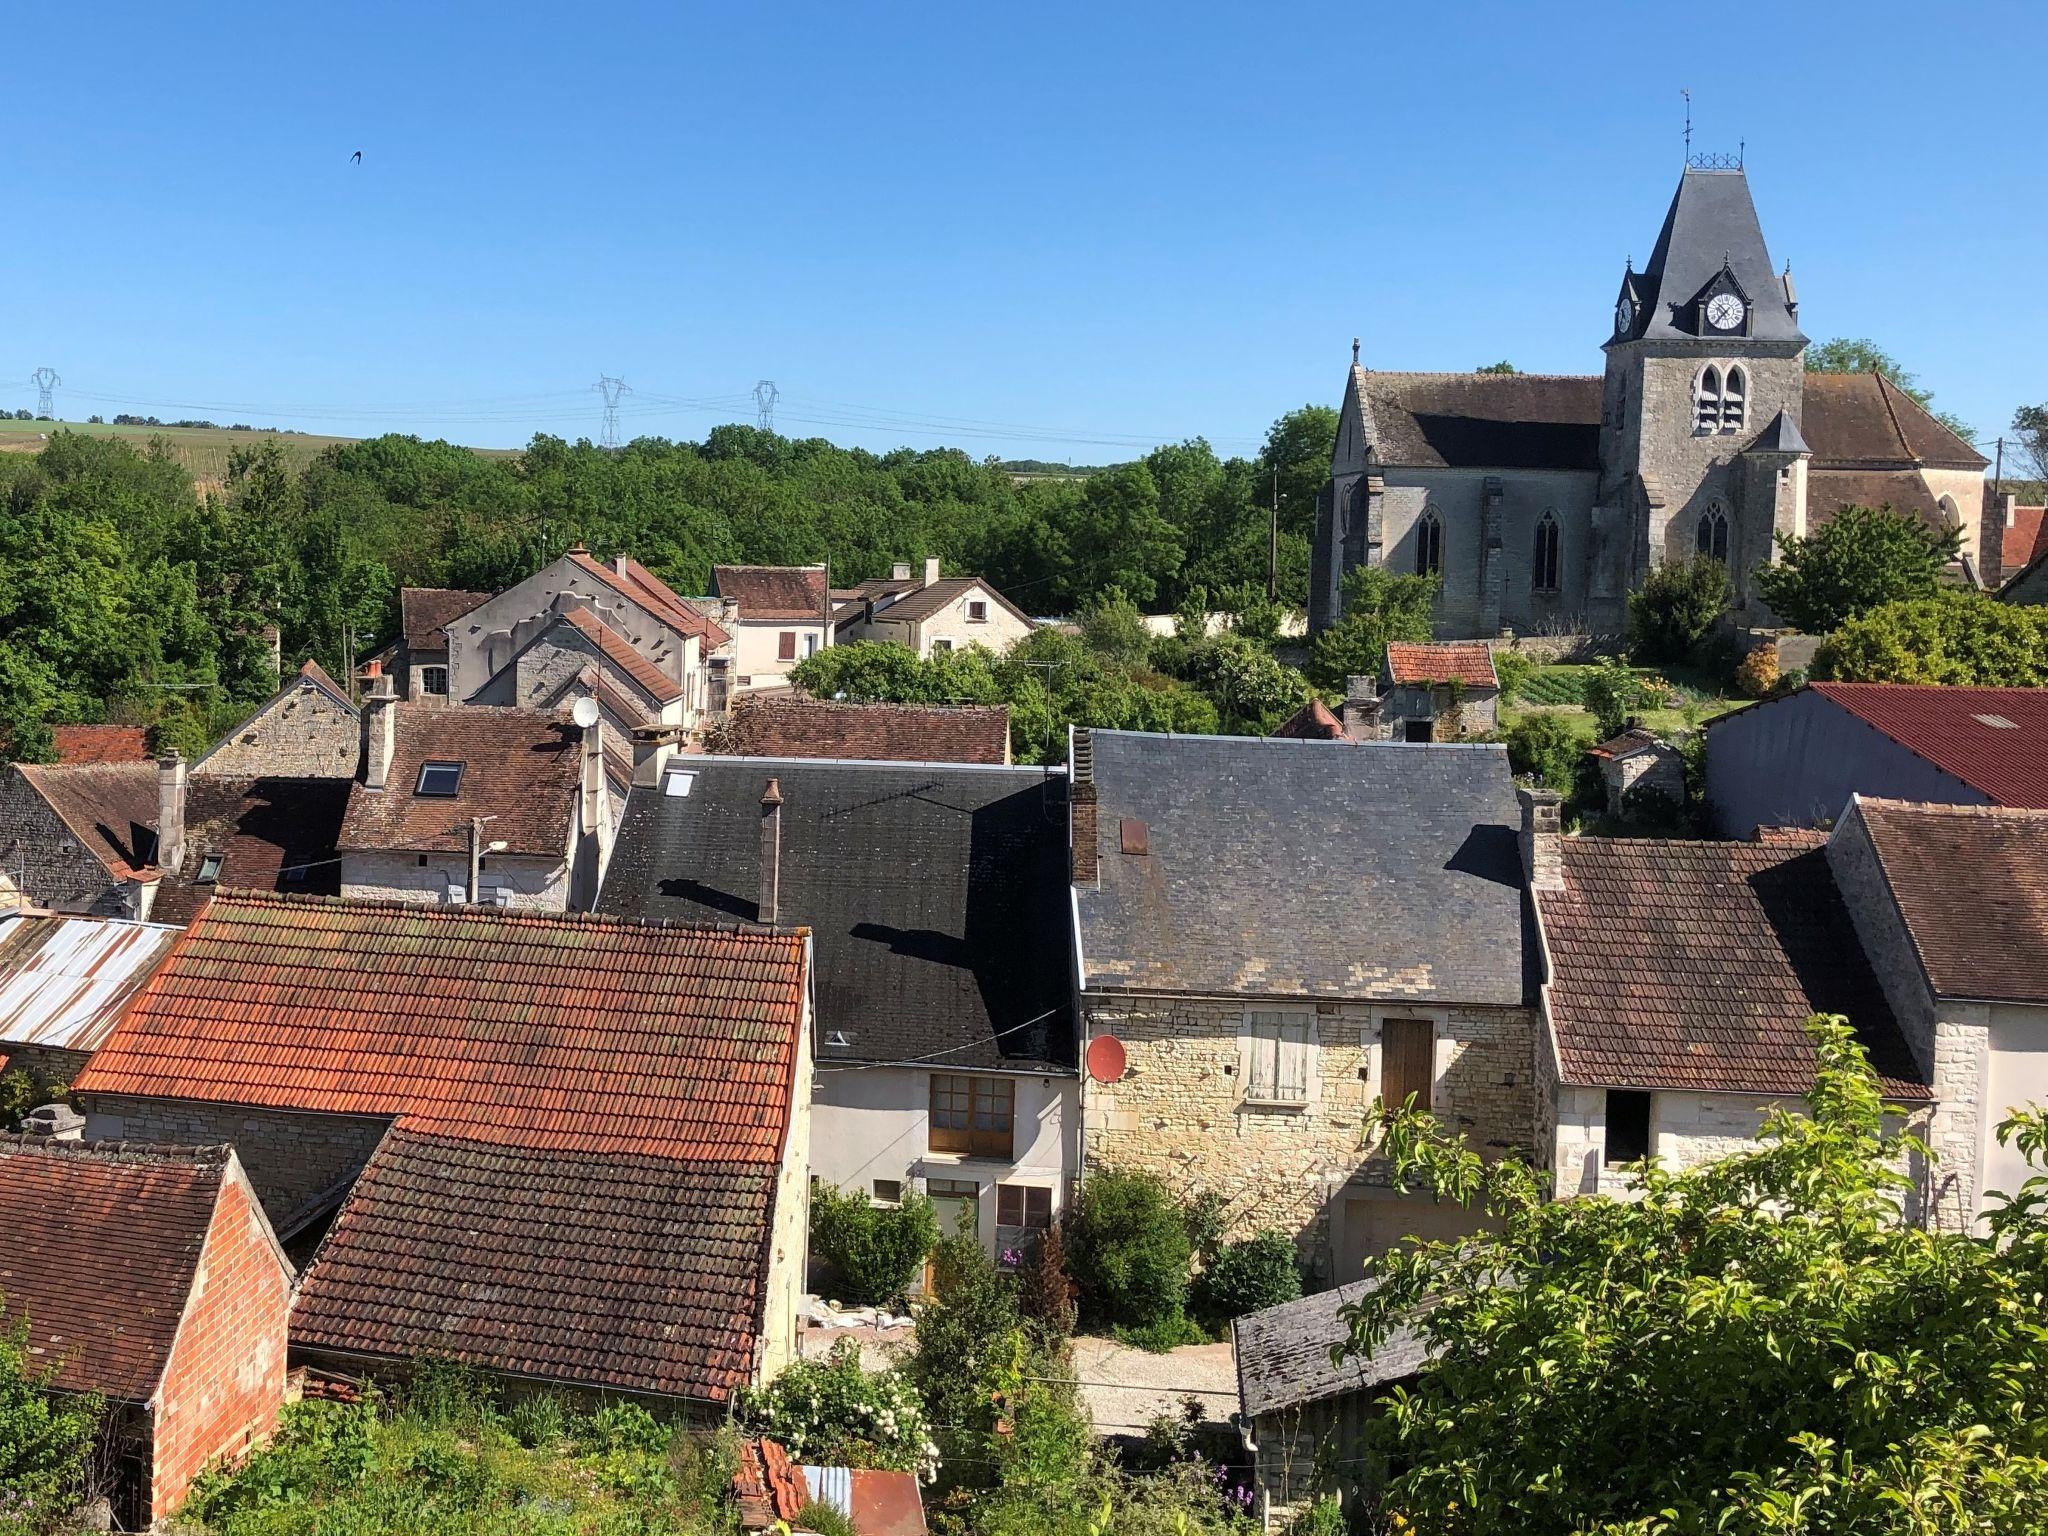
column 1279, row 1056
column 785, row 645
column 1407, row 1062
column 973, row 1116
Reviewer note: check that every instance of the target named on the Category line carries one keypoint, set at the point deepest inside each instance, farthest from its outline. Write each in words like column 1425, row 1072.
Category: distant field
column 202, row 450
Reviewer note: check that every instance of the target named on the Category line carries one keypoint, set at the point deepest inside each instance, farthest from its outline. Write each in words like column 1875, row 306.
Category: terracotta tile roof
column 1959, row 731
column 1864, row 420
column 1828, row 491
column 101, row 743
column 423, row 612
column 1971, row 883
column 616, row 649
column 768, row 1485
column 519, row 767
column 764, row 726
column 639, row 1273
column 1457, row 661
column 1635, row 739
column 110, row 808
column 545, row 1030
column 103, row 1242
column 794, row 592
column 923, row 601
column 271, row 834
column 1312, row 722
column 2023, row 540
column 1694, row 966
column 634, row 580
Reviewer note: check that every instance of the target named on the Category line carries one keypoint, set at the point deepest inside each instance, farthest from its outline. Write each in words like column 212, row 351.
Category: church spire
column 1712, row 240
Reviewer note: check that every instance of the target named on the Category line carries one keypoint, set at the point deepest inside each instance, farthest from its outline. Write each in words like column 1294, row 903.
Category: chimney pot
column 170, row 810
column 1542, row 838
column 1361, row 709
column 770, row 905
column 900, row 571
column 380, row 724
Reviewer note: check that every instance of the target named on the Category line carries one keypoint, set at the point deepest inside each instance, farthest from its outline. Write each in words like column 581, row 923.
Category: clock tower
column 1704, row 355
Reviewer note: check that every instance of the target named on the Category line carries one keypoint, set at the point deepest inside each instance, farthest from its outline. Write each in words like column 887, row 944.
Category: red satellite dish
column 1106, row 1059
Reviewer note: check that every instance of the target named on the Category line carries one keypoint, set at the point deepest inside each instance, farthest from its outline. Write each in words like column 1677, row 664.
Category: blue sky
column 1059, row 231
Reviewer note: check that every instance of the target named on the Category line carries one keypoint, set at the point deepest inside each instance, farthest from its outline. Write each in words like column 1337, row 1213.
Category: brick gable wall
column 221, row 1391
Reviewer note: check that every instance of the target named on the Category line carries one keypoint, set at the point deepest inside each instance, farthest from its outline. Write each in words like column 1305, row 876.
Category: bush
column 1513, row 669
column 1861, row 558
column 1959, row 638
column 823, row 1520
column 1162, row 1334
column 1247, row 1276
column 1548, row 749
column 874, row 1250
column 1113, row 627
column 1757, row 674
column 1045, row 1292
column 46, row 1438
column 972, row 1313
column 1325, row 1517
column 1613, row 694
column 1378, row 606
column 1675, row 609
column 1128, row 1250
column 831, row 1412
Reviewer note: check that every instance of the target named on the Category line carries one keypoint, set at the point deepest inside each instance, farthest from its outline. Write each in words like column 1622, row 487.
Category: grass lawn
column 202, row 450
column 1561, row 689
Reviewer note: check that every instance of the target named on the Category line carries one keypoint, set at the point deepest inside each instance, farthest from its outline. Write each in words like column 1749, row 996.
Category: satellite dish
column 584, row 712
column 1106, row 1060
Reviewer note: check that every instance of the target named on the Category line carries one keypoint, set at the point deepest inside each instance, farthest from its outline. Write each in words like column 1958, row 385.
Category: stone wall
column 304, row 732
column 1180, row 1109
column 41, row 857
column 535, row 885
column 790, row 1225
column 293, row 1160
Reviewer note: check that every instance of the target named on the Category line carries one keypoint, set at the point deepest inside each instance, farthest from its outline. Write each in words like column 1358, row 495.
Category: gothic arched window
column 1951, row 514
column 1713, row 532
column 1706, row 400
column 1543, row 567
column 1734, row 400
column 1429, row 544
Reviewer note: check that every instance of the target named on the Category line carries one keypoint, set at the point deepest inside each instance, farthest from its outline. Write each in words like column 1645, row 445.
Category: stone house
column 503, row 807
column 1438, row 692
column 1679, row 978
column 777, row 615
column 1796, row 760
column 468, row 1115
column 929, row 614
column 163, row 1289
column 1639, row 760
column 792, row 724
column 81, row 838
column 936, row 899
column 308, row 729
column 2021, row 536
column 63, row 982
column 1277, row 937
column 417, row 660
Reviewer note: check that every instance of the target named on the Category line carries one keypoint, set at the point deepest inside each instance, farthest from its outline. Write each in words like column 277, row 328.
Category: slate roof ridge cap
column 1467, row 373
column 681, row 764
column 1101, row 731
column 1949, row 808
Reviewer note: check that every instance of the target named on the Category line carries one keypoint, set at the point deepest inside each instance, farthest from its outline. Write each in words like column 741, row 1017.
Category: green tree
column 1115, row 629
column 2030, row 426
column 1613, row 693
column 1958, row 637
column 1128, row 1249
column 1546, row 747
column 1860, row 559
column 1500, row 367
column 875, row 1250
column 1118, row 537
column 1379, row 606
column 1251, row 689
column 1859, row 354
column 1761, row 1346
column 46, row 1438
column 1675, row 608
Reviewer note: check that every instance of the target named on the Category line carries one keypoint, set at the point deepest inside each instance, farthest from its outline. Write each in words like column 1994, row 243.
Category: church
column 1543, row 500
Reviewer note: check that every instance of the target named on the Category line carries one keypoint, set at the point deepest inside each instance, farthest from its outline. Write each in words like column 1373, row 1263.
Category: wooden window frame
column 958, row 1104
column 1026, row 1207
column 1279, row 1071
column 1425, row 1092
column 977, row 611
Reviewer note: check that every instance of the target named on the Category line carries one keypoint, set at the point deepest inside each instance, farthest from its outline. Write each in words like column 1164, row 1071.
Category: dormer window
column 443, row 780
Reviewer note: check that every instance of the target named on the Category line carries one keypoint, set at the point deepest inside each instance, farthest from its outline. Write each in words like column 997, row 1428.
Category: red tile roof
column 101, row 743
column 634, row 580
column 2023, row 541
column 1312, row 722
column 520, row 767
column 618, row 650
column 786, row 592
column 1955, row 729
column 1457, row 661
column 1694, row 966
column 102, row 1244
column 424, row 612
column 768, row 1485
column 775, row 726
column 542, row 1029
column 1971, row 883
column 1864, row 420
column 262, row 830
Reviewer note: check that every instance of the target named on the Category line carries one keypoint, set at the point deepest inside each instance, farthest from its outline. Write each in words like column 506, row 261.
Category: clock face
column 1724, row 312
column 1624, row 316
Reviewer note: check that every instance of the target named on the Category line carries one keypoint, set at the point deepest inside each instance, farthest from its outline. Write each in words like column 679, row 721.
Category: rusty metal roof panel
column 64, row 980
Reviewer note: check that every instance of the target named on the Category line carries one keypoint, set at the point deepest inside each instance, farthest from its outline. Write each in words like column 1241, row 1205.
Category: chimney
column 593, row 774
column 771, row 853
column 931, row 569
column 1542, row 839
column 900, row 571
column 170, row 810
column 1084, row 810
column 380, row 719
column 1361, row 711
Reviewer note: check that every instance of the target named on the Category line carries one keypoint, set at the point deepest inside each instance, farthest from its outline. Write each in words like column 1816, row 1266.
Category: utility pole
column 765, row 396
column 1273, row 544
column 476, row 854
column 45, row 380
column 611, row 389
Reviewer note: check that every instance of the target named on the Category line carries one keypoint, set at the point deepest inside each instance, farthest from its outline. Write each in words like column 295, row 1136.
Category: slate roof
column 1312, row 722
column 101, row 743
column 1695, row 965
column 1468, row 662
column 1971, row 883
column 1864, row 420
column 634, row 580
column 1283, row 1353
column 618, row 650
column 1711, row 221
column 1953, row 729
column 64, row 980
column 935, row 895
column 273, row 834
column 1330, row 869
column 763, row 725
column 520, row 767
column 642, row 1273
column 110, row 808
column 1479, row 420
column 103, row 1243
column 789, row 592
column 1781, row 436
column 423, row 612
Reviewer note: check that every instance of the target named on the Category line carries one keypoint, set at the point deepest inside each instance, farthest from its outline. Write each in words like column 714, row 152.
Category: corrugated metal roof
column 63, row 980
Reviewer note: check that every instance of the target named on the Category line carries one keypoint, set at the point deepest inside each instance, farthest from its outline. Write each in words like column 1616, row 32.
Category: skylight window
column 209, row 869
column 439, row 779
column 1996, row 722
column 678, row 784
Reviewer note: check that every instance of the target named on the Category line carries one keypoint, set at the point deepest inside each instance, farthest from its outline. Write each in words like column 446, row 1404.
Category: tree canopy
column 1958, row 636
column 1862, row 558
column 1761, row 1346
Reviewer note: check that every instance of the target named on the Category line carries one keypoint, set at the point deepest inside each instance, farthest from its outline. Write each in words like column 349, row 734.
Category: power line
column 611, row 389
column 46, row 381
column 765, row 396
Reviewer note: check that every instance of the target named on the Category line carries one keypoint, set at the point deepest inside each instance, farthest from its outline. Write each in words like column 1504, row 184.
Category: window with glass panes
column 972, row 1115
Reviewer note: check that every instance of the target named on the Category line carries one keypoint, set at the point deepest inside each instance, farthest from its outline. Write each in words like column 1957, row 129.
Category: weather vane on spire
column 1686, row 92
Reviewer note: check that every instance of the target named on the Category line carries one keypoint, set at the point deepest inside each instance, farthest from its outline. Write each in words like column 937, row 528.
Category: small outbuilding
column 1438, row 692
column 1639, row 762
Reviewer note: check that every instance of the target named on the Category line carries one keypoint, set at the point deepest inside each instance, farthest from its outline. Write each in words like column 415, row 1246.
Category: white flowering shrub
column 830, row 1412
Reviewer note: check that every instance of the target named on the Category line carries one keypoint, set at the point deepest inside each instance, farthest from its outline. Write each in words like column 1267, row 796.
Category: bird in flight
column 356, row 158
